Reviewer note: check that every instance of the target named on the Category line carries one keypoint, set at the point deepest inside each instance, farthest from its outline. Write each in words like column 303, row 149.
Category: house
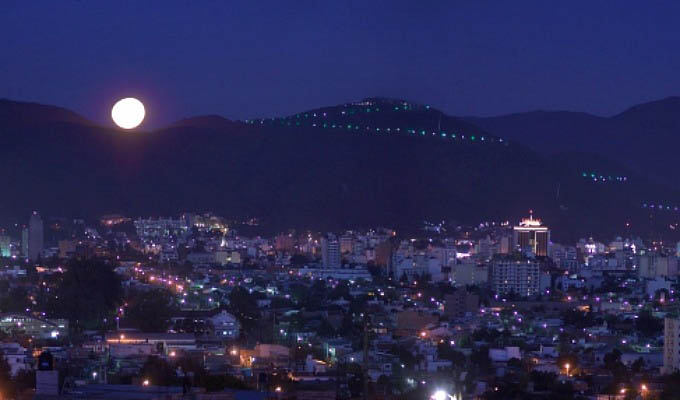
column 16, row 356
column 226, row 325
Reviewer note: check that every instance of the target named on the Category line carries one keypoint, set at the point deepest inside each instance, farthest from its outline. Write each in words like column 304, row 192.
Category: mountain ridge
column 363, row 164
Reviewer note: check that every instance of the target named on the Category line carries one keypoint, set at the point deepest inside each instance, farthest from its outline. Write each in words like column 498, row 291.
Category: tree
column 543, row 381
column 150, row 311
column 15, row 301
column 88, row 293
column 612, row 362
column 299, row 260
column 6, row 385
column 649, row 325
column 671, row 386
column 158, row 371
column 243, row 305
column 638, row 365
column 480, row 360
column 341, row 290
column 447, row 352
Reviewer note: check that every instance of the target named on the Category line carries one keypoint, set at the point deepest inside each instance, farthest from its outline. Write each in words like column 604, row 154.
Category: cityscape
column 488, row 311
column 351, row 200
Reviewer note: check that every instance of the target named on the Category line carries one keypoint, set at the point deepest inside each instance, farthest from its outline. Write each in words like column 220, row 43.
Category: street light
column 566, row 366
column 439, row 395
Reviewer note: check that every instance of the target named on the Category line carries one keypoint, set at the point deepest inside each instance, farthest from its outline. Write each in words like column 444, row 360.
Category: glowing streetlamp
column 566, row 366
column 439, row 395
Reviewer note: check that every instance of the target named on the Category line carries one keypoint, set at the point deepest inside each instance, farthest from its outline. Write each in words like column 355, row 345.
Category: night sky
column 268, row 58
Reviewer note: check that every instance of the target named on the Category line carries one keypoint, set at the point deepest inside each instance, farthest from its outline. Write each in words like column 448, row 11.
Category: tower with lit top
column 531, row 234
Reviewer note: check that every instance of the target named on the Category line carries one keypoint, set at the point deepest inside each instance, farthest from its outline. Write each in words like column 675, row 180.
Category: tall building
column 24, row 241
column 330, row 251
column 35, row 236
column 654, row 264
column 346, row 243
column 460, row 303
column 5, row 246
column 515, row 274
column 671, row 345
column 161, row 229
column 531, row 235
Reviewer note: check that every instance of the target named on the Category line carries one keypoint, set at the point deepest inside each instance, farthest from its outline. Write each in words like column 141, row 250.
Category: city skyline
column 351, row 200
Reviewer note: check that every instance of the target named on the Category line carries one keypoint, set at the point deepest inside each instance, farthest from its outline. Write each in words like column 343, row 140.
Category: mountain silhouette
column 643, row 138
column 375, row 162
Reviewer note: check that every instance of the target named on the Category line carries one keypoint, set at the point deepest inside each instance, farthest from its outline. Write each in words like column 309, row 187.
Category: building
column 123, row 344
column 330, row 251
column 653, row 264
column 226, row 325
column 35, row 236
column 24, row 241
column 460, row 303
column 16, row 356
column 5, row 246
column 161, row 229
column 37, row 328
column 671, row 345
column 531, row 235
column 412, row 323
column 515, row 274
column 469, row 273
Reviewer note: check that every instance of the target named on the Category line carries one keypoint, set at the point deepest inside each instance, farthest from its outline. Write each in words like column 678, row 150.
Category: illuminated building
column 33, row 327
column 5, row 246
column 530, row 234
column 35, row 236
column 515, row 274
column 330, row 251
column 153, row 230
column 24, row 241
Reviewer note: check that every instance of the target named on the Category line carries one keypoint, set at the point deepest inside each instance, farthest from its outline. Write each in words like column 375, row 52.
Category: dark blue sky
column 266, row 58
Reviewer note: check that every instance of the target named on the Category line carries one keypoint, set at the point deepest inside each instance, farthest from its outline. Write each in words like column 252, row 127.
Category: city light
column 439, row 395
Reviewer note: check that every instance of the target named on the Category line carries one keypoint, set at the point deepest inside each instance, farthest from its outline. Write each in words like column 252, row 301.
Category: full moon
column 128, row 113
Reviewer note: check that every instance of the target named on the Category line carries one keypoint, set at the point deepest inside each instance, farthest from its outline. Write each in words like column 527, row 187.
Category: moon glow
column 128, row 113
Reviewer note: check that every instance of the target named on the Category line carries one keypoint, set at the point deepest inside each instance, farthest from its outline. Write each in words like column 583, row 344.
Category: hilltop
column 374, row 162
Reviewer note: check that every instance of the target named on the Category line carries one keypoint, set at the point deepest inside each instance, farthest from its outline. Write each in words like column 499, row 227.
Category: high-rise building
column 515, row 274
column 24, row 241
column 531, row 235
column 671, row 345
column 460, row 303
column 346, row 243
column 35, row 236
column 5, row 246
column 654, row 264
column 330, row 251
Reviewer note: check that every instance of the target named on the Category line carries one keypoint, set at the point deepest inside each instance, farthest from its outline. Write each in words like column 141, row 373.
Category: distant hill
column 15, row 112
column 376, row 162
column 645, row 138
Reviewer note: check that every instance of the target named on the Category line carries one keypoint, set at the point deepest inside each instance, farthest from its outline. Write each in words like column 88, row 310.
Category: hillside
column 643, row 138
column 376, row 162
